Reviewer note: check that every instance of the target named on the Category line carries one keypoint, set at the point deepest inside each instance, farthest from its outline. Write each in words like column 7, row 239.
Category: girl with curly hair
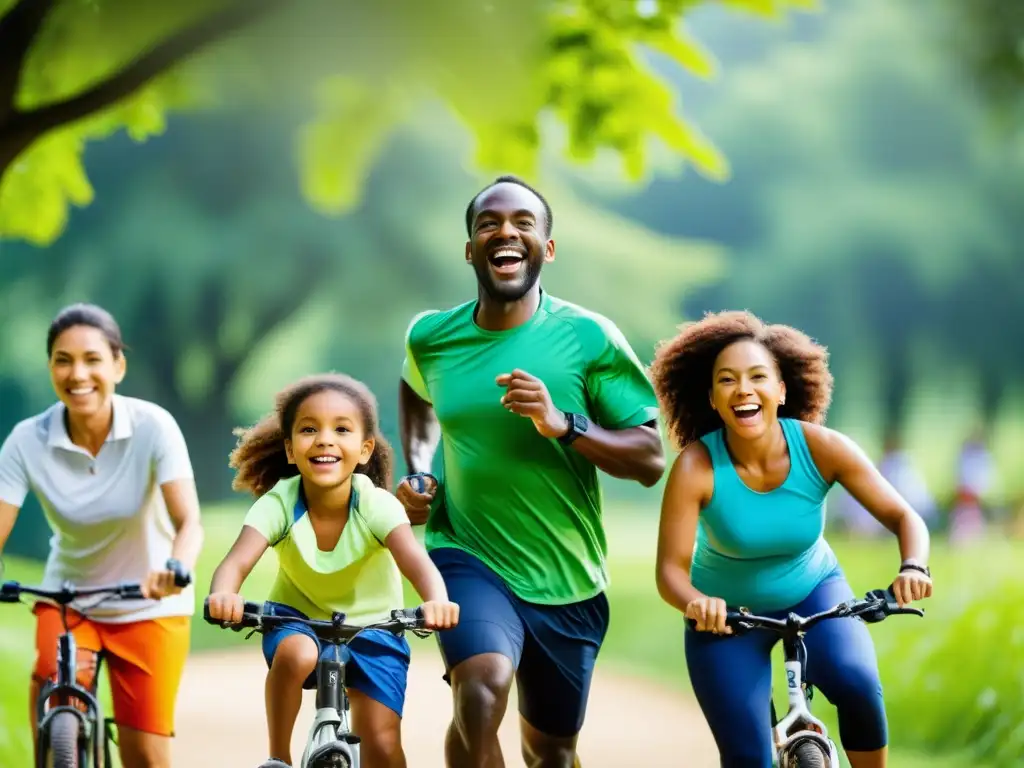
column 741, row 525
column 320, row 470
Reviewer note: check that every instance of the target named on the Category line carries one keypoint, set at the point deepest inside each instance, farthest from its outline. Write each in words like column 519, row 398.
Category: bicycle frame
column 94, row 735
column 798, row 725
column 330, row 737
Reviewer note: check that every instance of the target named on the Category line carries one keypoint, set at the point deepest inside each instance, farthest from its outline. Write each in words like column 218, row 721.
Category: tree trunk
column 208, row 433
column 993, row 388
column 896, row 381
column 207, row 429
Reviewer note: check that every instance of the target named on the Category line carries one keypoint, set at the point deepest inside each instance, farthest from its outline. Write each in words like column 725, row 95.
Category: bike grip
column 418, row 481
column 206, row 613
column 733, row 619
column 182, row 577
column 9, row 592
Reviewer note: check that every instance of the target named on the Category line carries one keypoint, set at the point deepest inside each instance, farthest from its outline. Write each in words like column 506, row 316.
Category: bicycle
column 67, row 734
column 800, row 740
column 330, row 742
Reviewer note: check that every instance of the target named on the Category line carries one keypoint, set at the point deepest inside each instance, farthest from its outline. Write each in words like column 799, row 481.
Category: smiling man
column 529, row 396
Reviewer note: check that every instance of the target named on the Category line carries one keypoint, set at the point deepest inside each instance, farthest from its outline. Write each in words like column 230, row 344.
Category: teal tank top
column 764, row 551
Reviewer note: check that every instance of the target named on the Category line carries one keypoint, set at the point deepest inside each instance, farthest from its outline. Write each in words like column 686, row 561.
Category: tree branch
column 136, row 74
column 18, row 30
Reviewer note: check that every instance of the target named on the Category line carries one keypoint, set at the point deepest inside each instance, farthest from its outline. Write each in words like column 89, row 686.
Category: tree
column 988, row 36
column 872, row 206
column 228, row 285
column 76, row 71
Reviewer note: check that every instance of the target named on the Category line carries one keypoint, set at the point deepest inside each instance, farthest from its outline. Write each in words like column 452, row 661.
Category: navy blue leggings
column 731, row 677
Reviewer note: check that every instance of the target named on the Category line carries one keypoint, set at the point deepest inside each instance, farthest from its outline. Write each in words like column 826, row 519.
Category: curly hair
column 259, row 459
column 683, row 366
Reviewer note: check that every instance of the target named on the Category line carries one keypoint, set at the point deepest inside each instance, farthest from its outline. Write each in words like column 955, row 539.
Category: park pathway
column 630, row 723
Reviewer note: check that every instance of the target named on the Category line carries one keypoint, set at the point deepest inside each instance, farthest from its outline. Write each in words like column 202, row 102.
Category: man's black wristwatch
column 578, row 425
column 915, row 567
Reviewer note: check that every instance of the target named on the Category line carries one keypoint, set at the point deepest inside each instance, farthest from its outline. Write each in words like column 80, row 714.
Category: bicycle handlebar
column 876, row 606
column 11, row 592
column 254, row 616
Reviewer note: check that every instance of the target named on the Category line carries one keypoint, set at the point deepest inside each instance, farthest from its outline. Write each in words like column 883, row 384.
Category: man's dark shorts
column 553, row 647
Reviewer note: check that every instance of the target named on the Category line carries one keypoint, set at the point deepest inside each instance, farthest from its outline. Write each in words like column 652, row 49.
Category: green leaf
column 337, row 150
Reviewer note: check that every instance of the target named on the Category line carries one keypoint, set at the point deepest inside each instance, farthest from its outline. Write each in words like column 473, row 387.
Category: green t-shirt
column 358, row 578
column 527, row 506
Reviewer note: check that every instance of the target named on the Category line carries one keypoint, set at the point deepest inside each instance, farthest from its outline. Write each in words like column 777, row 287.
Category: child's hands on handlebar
column 225, row 606
column 440, row 614
column 709, row 615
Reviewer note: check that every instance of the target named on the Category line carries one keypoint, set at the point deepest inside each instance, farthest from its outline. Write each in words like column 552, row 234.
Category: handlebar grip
column 247, row 608
column 10, row 591
column 418, row 481
column 737, row 621
column 182, row 576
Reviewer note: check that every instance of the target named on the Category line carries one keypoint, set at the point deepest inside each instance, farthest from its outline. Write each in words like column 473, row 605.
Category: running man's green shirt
column 527, row 506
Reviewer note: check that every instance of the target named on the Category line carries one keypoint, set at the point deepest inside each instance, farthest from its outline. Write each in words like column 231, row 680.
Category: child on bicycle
column 319, row 468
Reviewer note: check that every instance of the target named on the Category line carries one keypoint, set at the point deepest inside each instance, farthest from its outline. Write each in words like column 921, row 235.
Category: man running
column 529, row 396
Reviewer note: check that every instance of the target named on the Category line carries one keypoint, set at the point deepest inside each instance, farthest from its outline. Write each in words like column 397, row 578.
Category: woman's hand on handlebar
column 440, row 614
column 708, row 613
column 910, row 586
column 166, row 581
column 225, row 606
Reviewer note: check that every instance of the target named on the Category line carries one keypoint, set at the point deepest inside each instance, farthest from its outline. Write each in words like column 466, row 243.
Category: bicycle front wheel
column 62, row 737
column 809, row 755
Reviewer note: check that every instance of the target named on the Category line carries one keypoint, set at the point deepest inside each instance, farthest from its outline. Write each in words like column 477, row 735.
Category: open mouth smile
column 748, row 413
column 506, row 261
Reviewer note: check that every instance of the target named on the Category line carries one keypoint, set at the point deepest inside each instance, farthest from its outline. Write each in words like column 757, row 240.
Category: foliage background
column 282, row 204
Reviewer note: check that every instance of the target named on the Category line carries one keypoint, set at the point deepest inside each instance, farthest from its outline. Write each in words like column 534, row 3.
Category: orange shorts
column 145, row 660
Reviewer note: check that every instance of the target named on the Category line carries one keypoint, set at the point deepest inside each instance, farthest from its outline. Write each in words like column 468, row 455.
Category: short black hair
column 549, row 220
column 89, row 315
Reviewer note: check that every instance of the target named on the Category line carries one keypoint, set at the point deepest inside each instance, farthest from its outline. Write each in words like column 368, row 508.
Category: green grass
column 645, row 637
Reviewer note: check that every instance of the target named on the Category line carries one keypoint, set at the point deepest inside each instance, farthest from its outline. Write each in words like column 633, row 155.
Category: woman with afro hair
column 741, row 525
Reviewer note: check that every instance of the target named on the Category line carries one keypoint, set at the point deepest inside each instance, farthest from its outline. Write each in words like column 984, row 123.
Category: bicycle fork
column 92, row 747
column 798, row 724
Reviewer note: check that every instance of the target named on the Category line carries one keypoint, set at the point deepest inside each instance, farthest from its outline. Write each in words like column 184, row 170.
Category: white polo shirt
column 107, row 512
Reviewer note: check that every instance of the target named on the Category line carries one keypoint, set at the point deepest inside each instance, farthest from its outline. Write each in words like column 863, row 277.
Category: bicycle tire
column 63, row 741
column 809, row 755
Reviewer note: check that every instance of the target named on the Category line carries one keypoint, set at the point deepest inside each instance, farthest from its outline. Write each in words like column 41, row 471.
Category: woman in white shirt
column 113, row 476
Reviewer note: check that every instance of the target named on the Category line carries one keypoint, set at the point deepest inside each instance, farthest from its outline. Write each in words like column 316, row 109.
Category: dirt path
column 629, row 722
